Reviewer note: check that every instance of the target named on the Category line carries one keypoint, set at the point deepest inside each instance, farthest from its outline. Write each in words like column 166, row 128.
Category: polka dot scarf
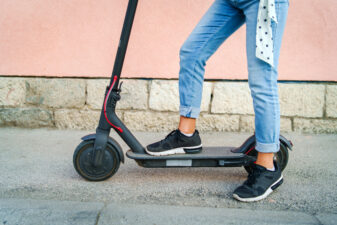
column 264, row 35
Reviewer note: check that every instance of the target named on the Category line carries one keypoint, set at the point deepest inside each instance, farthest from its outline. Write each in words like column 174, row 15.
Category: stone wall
column 152, row 105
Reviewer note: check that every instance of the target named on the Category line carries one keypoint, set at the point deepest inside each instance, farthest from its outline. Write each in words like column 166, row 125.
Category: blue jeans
column 222, row 19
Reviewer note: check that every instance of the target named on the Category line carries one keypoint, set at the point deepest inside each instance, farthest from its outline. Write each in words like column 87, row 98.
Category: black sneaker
column 174, row 143
column 260, row 183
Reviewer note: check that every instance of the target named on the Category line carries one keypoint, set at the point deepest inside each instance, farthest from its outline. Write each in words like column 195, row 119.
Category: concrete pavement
column 34, row 212
column 37, row 174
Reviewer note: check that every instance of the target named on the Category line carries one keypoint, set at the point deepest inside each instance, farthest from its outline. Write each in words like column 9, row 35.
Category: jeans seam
column 190, row 110
column 274, row 105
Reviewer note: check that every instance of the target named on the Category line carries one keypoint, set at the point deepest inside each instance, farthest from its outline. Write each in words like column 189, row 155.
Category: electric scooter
column 98, row 156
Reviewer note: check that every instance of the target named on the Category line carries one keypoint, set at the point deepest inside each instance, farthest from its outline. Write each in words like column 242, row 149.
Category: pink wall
column 79, row 38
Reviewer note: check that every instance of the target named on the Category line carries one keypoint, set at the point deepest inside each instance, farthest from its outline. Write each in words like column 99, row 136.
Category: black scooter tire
column 281, row 157
column 83, row 162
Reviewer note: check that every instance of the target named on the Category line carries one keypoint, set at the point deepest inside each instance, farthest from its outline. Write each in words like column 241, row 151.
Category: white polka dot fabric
column 264, row 34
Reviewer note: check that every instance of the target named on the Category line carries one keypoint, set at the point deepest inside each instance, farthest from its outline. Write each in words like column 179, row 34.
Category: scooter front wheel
column 83, row 162
column 281, row 157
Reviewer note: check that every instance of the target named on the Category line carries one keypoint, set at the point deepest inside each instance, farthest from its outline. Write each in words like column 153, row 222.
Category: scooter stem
column 123, row 41
column 108, row 118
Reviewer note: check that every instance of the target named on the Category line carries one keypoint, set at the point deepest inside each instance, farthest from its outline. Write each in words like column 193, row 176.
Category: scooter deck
column 208, row 157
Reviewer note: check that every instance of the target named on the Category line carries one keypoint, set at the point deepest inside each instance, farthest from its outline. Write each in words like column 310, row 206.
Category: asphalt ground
column 36, row 165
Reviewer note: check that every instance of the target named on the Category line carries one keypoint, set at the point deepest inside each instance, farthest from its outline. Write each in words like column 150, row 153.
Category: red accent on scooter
column 105, row 101
column 250, row 150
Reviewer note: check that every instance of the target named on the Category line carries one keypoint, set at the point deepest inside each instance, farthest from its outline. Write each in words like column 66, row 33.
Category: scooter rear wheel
column 281, row 157
column 83, row 162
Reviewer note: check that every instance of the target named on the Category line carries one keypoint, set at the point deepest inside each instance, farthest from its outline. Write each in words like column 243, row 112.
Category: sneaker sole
column 184, row 150
column 272, row 187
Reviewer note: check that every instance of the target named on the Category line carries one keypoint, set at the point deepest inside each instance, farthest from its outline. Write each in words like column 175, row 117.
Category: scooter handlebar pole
column 123, row 41
column 103, row 129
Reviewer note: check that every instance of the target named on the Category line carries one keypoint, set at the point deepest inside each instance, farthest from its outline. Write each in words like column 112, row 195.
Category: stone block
column 56, row 92
column 206, row 96
column 232, row 98
column 247, row 124
column 331, row 101
column 95, row 92
column 303, row 99
column 315, row 126
column 26, row 117
column 12, row 91
column 134, row 93
column 151, row 121
column 164, row 95
column 78, row 119
column 209, row 122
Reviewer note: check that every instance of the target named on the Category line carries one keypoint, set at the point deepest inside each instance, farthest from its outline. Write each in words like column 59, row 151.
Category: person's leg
column 218, row 23
column 262, row 79
column 187, row 125
column 263, row 85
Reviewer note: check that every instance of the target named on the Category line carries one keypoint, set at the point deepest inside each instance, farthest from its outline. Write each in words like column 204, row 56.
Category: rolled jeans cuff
column 267, row 148
column 189, row 111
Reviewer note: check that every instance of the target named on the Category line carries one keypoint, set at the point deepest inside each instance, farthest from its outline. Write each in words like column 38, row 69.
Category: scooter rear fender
column 111, row 141
column 244, row 147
